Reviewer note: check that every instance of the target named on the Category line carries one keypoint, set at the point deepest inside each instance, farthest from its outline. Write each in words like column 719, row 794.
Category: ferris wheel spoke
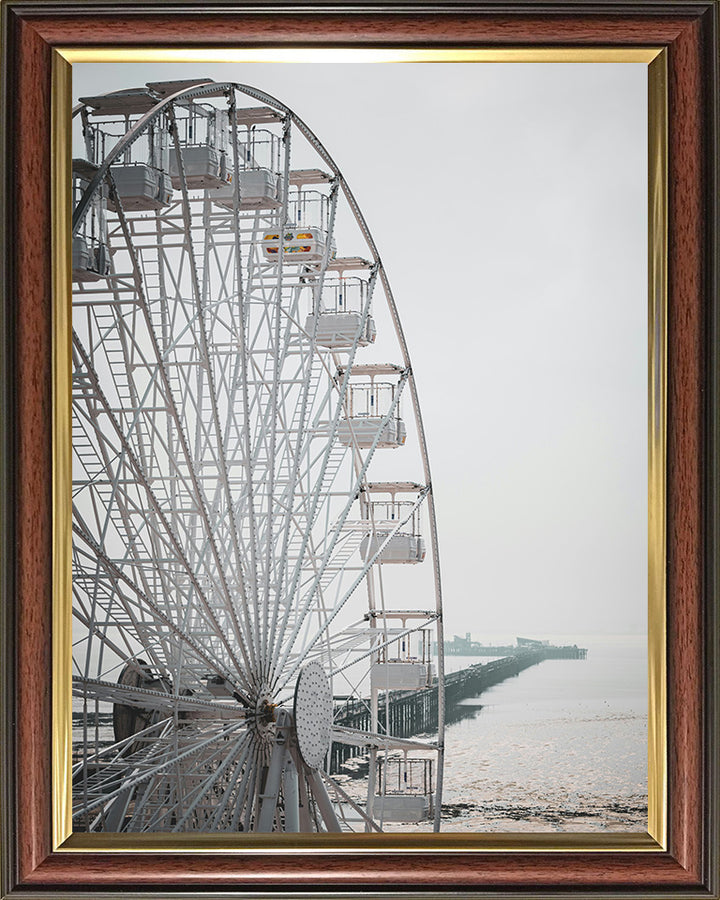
column 311, row 502
column 140, row 609
column 116, row 637
column 189, row 707
column 233, row 798
column 245, row 792
column 205, row 356
column 244, row 358
column 301, row 448
column 150, row 766
column 102, row 785
column 107, row 758
column 250, row 810
column 279, row 538
column 273, row 404
column 222, row 510
column 331, row 545
column 324, row 653
column 182, row 441
column 170, row 537
column 212, row 793
column 97, row 608
column 265, row 462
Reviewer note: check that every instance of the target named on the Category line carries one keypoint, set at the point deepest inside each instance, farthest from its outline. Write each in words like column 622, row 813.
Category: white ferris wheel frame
column 292, row 665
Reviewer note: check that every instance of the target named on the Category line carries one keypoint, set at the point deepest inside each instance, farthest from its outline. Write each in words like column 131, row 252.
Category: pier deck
column 415, row 712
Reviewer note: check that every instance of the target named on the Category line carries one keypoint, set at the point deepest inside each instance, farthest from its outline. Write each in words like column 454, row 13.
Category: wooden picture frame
column 687, row 864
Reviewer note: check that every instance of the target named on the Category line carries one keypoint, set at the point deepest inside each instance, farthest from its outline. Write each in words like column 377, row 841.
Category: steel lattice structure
column 231, row 589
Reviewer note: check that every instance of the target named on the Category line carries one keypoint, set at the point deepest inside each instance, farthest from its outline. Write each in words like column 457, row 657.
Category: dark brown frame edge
column 689, row 31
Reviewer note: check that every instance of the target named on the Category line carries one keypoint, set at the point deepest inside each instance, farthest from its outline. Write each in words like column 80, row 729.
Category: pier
column 415, row 712
column 460, row 646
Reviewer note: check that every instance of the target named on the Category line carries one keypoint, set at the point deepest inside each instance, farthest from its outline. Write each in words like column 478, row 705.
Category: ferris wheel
column 252, row 508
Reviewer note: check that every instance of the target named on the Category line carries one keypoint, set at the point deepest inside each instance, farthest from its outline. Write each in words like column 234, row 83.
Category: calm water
column 561, row 747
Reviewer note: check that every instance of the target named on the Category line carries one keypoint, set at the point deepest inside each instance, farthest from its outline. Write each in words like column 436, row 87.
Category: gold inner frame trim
column 61, row 449
column 341, row 55
column 655, row 840
column 657, row 456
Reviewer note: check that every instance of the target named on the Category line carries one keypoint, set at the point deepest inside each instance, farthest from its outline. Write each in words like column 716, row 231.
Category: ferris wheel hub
column 264, row 718
column 266, row 714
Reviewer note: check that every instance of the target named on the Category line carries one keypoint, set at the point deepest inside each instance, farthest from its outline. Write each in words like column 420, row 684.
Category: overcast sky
column 508, row 203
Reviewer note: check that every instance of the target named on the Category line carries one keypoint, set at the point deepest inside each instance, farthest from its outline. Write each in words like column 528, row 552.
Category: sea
column 561, row 747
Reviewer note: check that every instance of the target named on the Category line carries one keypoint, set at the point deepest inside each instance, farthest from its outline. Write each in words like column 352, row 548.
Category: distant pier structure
column 415, row 712
column 464, row 646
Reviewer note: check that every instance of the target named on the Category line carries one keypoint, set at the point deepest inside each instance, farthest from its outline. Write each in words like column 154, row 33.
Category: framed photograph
column 264, row 268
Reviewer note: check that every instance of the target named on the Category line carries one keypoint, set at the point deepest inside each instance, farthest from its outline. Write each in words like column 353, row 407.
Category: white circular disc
column 313, row 714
